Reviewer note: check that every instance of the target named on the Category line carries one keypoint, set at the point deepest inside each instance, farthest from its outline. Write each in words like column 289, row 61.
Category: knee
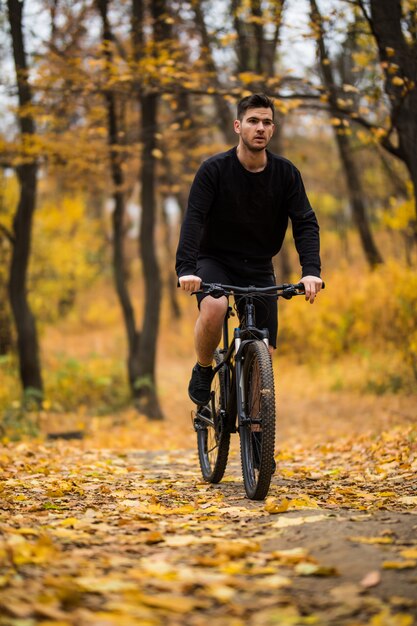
column 213, row 310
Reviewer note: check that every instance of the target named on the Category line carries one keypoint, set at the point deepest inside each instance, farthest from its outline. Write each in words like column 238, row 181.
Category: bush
column 371, row 312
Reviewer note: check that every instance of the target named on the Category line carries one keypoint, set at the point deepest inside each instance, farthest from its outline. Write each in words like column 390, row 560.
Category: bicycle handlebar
column 286, row 290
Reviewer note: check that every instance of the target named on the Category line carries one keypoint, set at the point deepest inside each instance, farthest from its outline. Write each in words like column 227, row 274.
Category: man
column 236, row 220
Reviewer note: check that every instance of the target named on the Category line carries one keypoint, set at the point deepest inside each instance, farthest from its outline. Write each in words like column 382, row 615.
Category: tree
column 115, row 153
column 145, row 384
column 393, row 24
column 353, row 179
column 27, row 170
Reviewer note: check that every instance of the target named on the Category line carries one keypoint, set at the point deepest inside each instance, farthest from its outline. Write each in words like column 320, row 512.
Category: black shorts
column 266, row 310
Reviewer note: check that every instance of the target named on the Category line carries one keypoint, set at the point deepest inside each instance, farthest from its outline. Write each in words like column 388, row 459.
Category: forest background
column 107, row 110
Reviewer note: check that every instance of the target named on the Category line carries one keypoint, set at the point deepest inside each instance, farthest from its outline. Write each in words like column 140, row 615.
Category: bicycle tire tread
column 257, row 489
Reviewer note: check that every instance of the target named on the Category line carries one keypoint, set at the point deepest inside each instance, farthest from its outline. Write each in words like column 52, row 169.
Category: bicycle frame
column 234, row 392
column 242, row 337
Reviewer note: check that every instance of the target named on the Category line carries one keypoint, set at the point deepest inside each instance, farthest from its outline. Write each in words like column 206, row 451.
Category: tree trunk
column 399, row 60
column 27, row 338
column 145, row 386
column 258, row 31
column 353, row 181
column 6, row 340
column 242, row 44
column 119, row 261
column 356, row 193
column 222, row 108
column 146, row 383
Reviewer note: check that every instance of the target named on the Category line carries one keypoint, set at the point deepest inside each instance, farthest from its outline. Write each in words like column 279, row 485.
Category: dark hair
column 254, row 101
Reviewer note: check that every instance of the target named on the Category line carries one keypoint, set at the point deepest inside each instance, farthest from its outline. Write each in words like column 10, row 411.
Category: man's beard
column 254, row 148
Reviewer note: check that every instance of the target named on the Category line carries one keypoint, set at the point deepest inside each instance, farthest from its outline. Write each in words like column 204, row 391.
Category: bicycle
column 242, row 397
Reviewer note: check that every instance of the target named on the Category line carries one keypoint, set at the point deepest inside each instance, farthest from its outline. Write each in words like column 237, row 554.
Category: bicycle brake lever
column 214, row 292
column 288, row 293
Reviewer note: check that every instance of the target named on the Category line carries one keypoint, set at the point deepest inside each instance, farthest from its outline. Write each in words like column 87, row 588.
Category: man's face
column 256, row 128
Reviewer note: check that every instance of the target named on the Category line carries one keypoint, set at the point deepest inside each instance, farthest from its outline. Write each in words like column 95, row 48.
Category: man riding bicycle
column 236, row 220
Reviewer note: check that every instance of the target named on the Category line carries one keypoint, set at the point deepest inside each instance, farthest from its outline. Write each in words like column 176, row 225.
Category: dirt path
column 92, row 536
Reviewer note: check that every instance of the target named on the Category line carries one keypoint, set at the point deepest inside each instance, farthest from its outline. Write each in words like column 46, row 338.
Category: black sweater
column 234, row 214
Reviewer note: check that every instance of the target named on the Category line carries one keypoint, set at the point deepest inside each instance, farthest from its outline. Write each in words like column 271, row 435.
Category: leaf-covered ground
column 119, row 529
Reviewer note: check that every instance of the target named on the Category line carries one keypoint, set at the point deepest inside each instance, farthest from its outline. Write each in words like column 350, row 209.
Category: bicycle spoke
column 213, row 440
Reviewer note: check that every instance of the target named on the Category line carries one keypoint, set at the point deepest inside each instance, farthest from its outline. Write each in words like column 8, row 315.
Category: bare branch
column 7, row 234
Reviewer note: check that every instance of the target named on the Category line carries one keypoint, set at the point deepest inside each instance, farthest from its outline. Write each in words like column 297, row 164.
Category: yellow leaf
column 41, row 551
column 396, row 80
column 153, row 537
column 304, row 502
column 26, row 531
column 157, row 153
column 221, row 593
column 410, row 553
column 274, row 505
column 104, row 584
column 276, row 581
column 386, row 618
column 177, row 604
column 237, row 549
column 399, row 564
column 371, row 540
column 350, row 88
column 70, row 521
column 288, row 557
column 314, row 569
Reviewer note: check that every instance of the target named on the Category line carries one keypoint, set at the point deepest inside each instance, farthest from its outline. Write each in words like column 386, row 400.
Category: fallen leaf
column 104, row 584
column 290, row 557
column 408, row 500
column 399, row 564
column 372, row 540
column 283, row 522
column 236, row 549
column 409, row 553
column 176, row 604
column 314, row 569
column 153, row 537
column 371, row 579
column 276, row 581
column 275, row 505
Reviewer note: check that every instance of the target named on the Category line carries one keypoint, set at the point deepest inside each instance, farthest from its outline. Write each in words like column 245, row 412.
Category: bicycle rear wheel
column 257, row 435
column 213, row 436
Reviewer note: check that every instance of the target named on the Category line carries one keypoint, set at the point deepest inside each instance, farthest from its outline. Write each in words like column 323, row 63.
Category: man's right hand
column 190, row 283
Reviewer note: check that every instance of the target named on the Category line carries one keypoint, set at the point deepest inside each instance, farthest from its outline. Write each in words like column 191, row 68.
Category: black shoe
column 200, row 383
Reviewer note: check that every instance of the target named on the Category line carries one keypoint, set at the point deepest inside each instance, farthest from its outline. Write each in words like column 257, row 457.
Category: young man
column 236, row 220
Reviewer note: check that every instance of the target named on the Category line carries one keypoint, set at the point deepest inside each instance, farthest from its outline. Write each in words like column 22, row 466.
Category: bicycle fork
column 242, row 419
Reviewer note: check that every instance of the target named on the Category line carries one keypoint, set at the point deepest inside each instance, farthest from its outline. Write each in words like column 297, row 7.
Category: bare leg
column 208, row 328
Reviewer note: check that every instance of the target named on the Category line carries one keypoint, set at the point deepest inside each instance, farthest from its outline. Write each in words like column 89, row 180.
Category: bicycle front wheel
column 213, row 436
column 257, row 433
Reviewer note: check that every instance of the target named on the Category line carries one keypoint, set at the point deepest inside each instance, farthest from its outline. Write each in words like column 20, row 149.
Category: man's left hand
column 312, row 285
